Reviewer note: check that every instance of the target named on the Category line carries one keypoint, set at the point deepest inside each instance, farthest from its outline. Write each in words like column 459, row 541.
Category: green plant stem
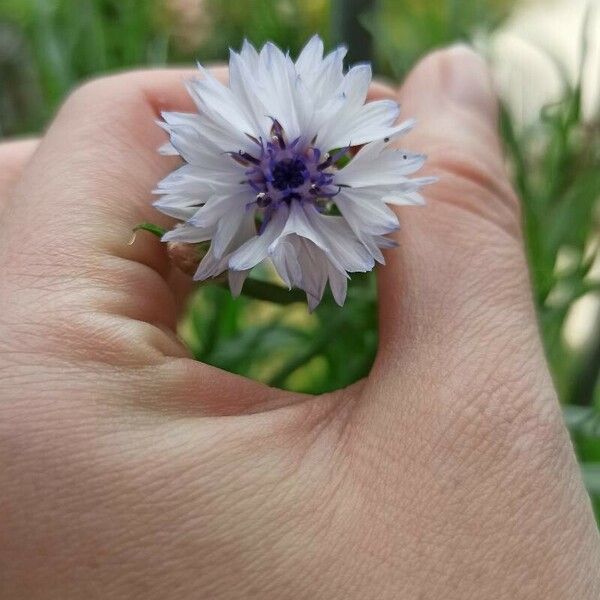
column 270, row 292
column 156, row 230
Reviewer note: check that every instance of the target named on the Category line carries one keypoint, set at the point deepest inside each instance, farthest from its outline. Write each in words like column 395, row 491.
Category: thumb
column 460, row 262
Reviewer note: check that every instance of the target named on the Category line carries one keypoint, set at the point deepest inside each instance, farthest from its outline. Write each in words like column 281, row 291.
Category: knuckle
column 118, row 89
column 477, row 183
column 465, row 165
column 474, row 171
column 115, row 110
column 88, row 91
column 13, row 156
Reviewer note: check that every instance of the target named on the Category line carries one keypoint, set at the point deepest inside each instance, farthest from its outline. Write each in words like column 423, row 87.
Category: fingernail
column 467, row 80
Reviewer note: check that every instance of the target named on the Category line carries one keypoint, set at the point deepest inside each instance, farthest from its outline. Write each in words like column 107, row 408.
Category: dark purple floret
column 289, row 173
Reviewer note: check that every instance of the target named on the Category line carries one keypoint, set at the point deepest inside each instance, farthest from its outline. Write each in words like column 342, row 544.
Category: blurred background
column 545, row 56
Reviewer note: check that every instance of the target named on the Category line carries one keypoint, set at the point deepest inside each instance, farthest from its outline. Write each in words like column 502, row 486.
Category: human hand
column 127, row 470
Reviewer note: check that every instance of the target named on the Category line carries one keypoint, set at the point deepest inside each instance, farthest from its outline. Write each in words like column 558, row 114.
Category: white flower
column 263, row 176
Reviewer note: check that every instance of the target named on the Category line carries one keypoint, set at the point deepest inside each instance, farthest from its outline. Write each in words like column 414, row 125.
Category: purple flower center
column 289, row 173
column 281, row 171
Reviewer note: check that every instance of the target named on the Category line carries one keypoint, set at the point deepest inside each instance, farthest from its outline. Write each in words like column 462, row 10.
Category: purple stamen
column 248, row 157
column 255, row 186
column 255, row 140
column 263, row 199
column 326, row 163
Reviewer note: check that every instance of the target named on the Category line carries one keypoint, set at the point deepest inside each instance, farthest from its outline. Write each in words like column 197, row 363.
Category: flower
column 272, row 170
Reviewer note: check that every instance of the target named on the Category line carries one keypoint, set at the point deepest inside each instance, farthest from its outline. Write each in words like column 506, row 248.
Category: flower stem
column 270, row 292
column 157, row 230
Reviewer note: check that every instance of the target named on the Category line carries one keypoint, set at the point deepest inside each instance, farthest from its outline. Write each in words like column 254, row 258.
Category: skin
column 129, row 471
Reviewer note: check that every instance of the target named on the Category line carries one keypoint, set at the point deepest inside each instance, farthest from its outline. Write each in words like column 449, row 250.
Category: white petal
column 385, row 242
column 189, row 143
column 200, row 130
column 365, row 215
column 347, row 251
column 356, row 85
column 218, row 99
column 242, row 79
column 310, row 58
column 255, row 249
column 338, row 282
column 188, row 233
column 250, row 55
column 333, row 115
column 177, row 119
column 404, row 199
column 327, row 79
column 314, row 266
column 285, row 261
column 298, row 223
column 210, row 266
column 375, row 165
column 370, row 244
column 219, row 207
column 236, row 281
column 184, row 175
column 400, row 193
column 276, row 88
column 217, row 121
column 167, row 149
column 353, row 127
column 177, row 206
column 226, row 229
column 194, row 143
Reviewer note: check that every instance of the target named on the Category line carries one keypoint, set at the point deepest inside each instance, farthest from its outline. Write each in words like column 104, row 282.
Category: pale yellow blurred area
column 527, row 50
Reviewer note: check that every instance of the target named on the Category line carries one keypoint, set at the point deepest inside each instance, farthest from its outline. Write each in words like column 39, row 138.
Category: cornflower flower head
column 288, row 164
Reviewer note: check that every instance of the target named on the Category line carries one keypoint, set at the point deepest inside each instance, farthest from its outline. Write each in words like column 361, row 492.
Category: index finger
column 92, row 177
column 68, row 272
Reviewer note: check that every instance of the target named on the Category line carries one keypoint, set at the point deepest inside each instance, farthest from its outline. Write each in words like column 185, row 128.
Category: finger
column 455, row 297
column 90, row 183
column 70, row 272
column 465, row 243
column 380, row 89
column 14, row 155
column 459, row 405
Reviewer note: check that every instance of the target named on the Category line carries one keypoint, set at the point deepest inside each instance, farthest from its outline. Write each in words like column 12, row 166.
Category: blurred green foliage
column 48, row 46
